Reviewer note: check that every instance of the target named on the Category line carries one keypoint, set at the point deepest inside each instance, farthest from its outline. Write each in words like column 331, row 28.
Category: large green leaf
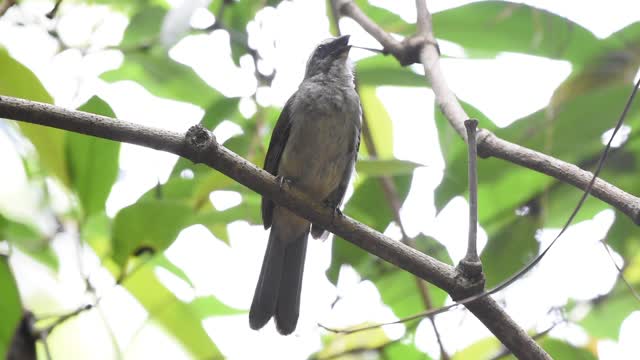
column 93, row 162
column 17, row 80
column 384, row 70
column 510, row 248
column 182, row 320
column 487, row 28
column 148, row 223
column 10, row 306
column 378, row 121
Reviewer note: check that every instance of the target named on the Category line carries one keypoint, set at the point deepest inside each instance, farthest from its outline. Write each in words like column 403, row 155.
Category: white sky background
column 230, row 272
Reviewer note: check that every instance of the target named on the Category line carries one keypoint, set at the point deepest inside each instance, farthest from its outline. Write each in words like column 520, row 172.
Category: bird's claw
column 282, row 180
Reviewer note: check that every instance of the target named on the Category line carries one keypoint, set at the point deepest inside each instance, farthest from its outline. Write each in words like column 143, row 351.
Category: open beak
column 341, row 45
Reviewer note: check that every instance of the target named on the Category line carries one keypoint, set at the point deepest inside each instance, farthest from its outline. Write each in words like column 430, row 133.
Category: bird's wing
column 279, row 138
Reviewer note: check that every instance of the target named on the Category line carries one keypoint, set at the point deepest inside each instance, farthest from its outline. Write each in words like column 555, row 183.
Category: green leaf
column 517, row 239
column 384, row 70
column 143, row 28
column 388, row 20
column 96, row 231
column 149, row 64
column 236, row 16
column 605, row 318
column 29, row 240
column 369, row 205
column 337, row 344
column 17, row 80
column 148, row 223
column 378, row 121
column 390, row 167
column 92, row 162
column 559, row 349
column 483, row 349
column 488, row 28
column 179, row 319
column 405, row 350
column 10, row 306
column 399, row 289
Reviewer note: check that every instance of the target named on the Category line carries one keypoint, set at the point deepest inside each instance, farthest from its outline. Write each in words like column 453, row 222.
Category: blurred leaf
column 143, row 28
column 341, row 346
column 163, row 77
column 236, row 16
column 606, row 69
column 369, row 206
column 208, row 306
column 96, row 231
column 29, row 240
column 488, row 28
column 378, row 121
column 150, row 65
column 10, row 306
column 404, row 350
column 399, row 289
column 390, row 167
column 17, row 80
column 179, row 319
column 148, row 223
column 605, row 318
column 483, row 349
column 384, row 70
column 388, row 20
column 510, row 248
column 92, row 162
column 559, row 349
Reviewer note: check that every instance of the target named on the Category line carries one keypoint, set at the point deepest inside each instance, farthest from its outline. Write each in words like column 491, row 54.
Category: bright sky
column 230, row 272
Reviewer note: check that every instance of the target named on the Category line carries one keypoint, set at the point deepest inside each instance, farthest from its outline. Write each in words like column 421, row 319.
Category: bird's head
column 329, row 58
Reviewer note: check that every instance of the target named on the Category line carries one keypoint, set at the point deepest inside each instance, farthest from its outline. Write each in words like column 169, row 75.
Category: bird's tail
column 280, row 282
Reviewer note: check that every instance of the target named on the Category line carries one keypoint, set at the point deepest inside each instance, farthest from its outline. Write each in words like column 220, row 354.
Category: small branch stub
column 471, row 266
column 199, row 141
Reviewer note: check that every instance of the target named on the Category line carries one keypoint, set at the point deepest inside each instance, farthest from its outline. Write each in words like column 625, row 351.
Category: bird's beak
column 341, row 45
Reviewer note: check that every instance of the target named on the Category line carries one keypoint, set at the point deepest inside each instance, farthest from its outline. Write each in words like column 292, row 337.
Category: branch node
column 199, row 142
column 472, row 271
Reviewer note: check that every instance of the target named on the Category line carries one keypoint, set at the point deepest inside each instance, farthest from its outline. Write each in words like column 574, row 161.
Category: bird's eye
column 321, row 48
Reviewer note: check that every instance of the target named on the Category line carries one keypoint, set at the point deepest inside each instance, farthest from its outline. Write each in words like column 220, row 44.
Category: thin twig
column 621, row 273
column 472, row 252
column 51, row 14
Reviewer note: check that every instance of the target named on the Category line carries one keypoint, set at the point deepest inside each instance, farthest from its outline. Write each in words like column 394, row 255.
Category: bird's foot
column 284, row 180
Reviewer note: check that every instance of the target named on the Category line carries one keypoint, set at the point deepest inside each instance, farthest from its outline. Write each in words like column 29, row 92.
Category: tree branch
column 199, row 145
column 488, row 143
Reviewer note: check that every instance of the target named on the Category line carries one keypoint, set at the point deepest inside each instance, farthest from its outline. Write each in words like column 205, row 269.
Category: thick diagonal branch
column 199, row 146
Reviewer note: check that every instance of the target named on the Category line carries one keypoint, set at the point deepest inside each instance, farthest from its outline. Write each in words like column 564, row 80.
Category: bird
column 313, row 147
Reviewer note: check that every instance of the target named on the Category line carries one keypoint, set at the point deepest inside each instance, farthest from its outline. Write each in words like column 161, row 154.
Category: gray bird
column 313, row 147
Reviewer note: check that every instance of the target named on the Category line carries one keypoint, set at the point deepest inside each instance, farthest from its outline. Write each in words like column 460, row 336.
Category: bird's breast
column 321, row 144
